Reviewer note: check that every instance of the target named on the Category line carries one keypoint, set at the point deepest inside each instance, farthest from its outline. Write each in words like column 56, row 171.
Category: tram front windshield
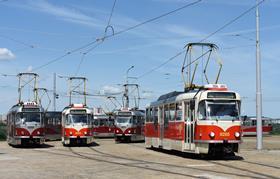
column 77, row 118
column 218, row 110
column 123, row 119
column 30, row 117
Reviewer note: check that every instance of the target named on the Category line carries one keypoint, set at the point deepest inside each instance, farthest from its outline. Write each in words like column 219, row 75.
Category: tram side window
column 58, row 121
column 147, row 115
column 150, row 117
column 155, row 115
column 95, row 122
column 178, row 112
column 102, row 122
column 18, row 118
column 166, row 115
column 139, row 120
column 247, row 123
column 134, row 120
column 202, row 111
column 172, row 108
column 187, row 115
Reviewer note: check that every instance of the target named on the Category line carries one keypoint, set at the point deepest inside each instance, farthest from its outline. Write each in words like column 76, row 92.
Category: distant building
column 275, row 121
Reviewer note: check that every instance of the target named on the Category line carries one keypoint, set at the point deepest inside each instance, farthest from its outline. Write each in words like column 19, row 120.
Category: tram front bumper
column 29, row 140
column 78, row 140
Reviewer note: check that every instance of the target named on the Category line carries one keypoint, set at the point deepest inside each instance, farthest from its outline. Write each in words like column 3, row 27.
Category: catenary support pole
column 258, row 83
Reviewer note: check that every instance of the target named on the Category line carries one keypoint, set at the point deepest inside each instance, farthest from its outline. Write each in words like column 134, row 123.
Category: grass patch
column 275, row 129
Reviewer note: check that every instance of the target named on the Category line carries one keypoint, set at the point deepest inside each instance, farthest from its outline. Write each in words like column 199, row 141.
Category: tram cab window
column 78, row 118
column 172, row 108
column 202, row 111
column 28, row 117
column 222, row 110
column 123, row 119
column 178, row 112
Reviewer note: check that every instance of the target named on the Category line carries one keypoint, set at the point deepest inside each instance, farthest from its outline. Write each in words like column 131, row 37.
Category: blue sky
column 35, row 32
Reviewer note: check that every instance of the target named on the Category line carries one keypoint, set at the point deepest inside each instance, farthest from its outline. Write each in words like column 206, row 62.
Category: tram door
column 189, row 121
column 161, row 126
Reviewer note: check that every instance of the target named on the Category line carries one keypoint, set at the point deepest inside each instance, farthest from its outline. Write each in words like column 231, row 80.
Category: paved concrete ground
column 105, row 159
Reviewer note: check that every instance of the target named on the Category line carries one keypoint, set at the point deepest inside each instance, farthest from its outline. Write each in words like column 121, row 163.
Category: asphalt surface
column 106, row 159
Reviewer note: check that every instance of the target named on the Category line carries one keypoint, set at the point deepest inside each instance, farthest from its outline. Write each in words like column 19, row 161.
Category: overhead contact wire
column 115, row 34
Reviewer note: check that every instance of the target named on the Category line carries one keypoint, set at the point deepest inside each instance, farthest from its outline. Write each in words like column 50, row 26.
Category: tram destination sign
column 30, row 109
column 78, row 111
column 124, row 113
column 221, row 95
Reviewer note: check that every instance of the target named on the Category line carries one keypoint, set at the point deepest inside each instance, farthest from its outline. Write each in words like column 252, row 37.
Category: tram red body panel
column 253, row 129
column 118, row 130
column 202, row 132
column 103, row 129
column 22, row 132
column 249, row 126
column 50, row 131
column 71, row 132
column 38, row 132
column 175, row 131
column 25, row 132
column 133, row 130
column 151, row 130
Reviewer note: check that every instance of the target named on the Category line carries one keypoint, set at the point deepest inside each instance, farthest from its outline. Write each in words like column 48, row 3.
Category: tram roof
column 18, row 107
column 179, row 95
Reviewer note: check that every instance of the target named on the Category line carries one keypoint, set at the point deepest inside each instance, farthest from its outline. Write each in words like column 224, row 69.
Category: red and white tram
column 129, row 125
column 103, row 125
column 249, row 126
column 25, row 124
column 203, row 121
column 77, row 125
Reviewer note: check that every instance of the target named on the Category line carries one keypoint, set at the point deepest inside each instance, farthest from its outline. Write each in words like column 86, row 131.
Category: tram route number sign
column 224, row 134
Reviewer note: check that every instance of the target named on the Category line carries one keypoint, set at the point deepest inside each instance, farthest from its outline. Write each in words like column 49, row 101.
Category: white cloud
column 64, row 13
column 183, row 31
column 29, row 68
column 6, row 54
column 110, row 90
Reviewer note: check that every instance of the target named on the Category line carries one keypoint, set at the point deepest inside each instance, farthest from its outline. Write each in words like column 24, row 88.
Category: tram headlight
column 38, row 132
column 22, row 132
column 237, row 134
column 129, row 131
column 85, row 132
column 117, row 131
column 70, row 132
column 212, row 134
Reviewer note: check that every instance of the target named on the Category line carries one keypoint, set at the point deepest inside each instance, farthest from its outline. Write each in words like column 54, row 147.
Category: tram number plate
column 224, row 134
